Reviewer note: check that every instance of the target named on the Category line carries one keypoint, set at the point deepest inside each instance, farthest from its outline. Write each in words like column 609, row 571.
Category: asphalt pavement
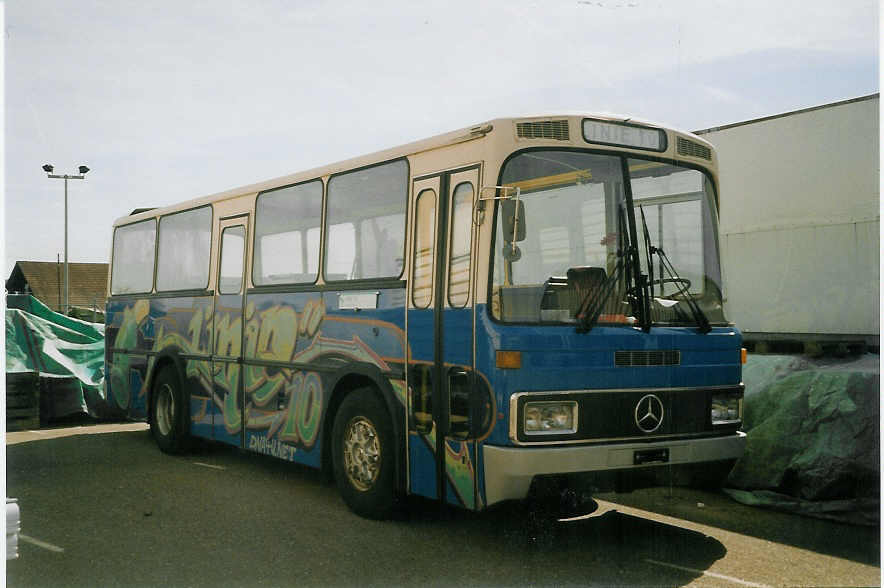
column 102, row 506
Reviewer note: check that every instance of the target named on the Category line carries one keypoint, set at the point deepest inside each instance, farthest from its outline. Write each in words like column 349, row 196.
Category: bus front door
column 228, row 421
column 441, row 440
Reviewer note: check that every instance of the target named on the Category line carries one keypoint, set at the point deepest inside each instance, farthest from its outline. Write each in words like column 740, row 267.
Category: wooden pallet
column 22, row 401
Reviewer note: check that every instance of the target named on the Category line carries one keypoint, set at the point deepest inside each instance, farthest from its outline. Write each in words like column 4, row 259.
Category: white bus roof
column 445, row 139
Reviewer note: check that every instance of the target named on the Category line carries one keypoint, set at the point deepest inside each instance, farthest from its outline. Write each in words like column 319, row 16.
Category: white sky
column 167, row 100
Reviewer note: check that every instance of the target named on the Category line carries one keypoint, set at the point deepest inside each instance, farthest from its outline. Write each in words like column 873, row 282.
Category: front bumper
column 509, row 470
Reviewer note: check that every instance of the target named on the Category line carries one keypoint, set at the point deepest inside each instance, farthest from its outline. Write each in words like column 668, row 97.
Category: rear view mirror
column 513, row 220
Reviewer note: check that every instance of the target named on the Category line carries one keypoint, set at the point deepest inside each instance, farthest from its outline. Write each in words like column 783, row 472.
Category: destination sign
column 623, row 135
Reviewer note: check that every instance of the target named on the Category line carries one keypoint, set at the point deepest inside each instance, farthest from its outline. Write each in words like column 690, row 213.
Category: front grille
column 692, row 149
column 544, row 129
column 647, row 358
column 607, row 415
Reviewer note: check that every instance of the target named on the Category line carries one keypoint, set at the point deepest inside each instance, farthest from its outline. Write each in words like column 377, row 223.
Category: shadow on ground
column 856, row 543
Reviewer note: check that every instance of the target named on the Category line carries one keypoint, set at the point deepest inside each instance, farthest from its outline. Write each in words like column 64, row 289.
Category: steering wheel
column 685, row 284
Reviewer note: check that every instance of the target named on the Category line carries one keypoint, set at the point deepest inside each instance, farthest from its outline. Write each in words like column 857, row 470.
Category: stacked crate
column 22, row 401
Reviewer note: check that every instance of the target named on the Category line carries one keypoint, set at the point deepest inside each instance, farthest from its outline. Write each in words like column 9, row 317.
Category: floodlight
column 83, row 169
column 48, row 168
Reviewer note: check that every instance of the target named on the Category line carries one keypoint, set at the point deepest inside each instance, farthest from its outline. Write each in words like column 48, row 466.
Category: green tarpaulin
column 812, row 437
column 67, row 354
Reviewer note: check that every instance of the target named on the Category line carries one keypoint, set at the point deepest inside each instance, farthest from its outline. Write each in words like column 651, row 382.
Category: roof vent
column 543, row 129
column 647, row 358
column 692, row 149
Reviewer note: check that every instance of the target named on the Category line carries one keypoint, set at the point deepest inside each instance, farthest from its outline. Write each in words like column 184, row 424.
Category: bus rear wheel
column 362, row 449
column 167, row 413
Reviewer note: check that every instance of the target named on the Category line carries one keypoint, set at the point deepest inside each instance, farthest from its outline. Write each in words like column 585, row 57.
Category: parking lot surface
column 104, row 507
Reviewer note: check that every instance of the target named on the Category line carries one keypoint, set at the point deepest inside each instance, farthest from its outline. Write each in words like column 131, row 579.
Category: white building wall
column 800, row 221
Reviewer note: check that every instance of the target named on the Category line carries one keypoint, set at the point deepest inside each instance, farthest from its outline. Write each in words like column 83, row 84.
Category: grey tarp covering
column 67, row 353
column 813, row 437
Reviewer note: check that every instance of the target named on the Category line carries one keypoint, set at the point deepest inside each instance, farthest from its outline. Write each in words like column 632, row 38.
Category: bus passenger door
column 227, row 328
column 442, row 450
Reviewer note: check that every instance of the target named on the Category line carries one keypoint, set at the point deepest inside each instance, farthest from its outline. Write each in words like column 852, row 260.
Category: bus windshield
column 574, row 237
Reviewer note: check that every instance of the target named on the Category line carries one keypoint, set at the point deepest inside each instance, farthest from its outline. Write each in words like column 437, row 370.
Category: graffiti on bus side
column 126, row 338
column 278, row 333
column 275, row 334
column 285, row 401
column 299, row 422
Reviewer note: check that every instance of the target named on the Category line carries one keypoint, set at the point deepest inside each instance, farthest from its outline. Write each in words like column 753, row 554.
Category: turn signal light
column 743, row 355
column 509, row 360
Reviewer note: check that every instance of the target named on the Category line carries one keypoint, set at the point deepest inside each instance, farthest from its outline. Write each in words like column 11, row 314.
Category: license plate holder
column 645, row 456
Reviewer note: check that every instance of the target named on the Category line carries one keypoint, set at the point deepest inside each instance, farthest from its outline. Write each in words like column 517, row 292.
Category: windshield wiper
column 683, row 284
column 590, row 308
column 648, row 252
column 594, row 299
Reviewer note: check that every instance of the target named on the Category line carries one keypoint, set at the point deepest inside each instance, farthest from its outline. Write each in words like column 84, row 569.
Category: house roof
column 87, row 282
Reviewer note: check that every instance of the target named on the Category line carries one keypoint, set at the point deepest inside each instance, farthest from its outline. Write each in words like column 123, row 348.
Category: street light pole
column 83, row 169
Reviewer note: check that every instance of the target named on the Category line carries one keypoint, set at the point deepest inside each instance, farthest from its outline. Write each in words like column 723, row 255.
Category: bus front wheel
column 167, row 413
column 362, row 445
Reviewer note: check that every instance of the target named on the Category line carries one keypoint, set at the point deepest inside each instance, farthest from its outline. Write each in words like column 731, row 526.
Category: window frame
column 323, row 257
column 322, row 213
column 244, row 260
column 414, row 253
column 159, row 219
column 153, row 280
column 453, row 207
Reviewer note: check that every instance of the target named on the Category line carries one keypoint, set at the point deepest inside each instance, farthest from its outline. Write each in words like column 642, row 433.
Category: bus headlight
column 727, row 409
column 551, row 418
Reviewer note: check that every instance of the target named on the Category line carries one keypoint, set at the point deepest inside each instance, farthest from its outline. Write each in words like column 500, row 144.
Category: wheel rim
column 165, row 409
column 362, row 453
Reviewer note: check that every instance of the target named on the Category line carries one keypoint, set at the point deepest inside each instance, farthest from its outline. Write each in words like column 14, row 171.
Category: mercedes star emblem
column 649, row 413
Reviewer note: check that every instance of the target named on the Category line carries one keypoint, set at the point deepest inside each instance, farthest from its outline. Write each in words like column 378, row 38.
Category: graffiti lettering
column 301, row 423
column 274, row 447
column 273, row 335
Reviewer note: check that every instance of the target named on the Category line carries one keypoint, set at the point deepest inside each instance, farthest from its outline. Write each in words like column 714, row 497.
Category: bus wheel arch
column 167, row 389
column 363, row 383
column 364, row 454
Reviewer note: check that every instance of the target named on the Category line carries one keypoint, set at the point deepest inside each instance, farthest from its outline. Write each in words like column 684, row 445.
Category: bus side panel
column 183, row 328
column 284, row 399
column 125, row 360
column 224, row 414
column 141, row 330
column 296, row 345
column 365, row 331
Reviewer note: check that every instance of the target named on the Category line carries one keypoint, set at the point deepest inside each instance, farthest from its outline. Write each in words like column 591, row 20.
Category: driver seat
column 585, row 282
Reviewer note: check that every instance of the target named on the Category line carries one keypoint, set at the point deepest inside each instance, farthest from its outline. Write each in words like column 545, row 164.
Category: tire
column 168, row 414
column 363, row 455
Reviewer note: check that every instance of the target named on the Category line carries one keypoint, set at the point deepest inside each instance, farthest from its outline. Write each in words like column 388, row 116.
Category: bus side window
column 365, row 220
column 341, row 260
column 424, row 248
column 287, row 224
column 461, row 245
column 133, row 257
column 183, row 250
column 232, row 247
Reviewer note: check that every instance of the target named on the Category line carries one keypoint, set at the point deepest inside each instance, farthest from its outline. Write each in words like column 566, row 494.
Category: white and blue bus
column 526, row 300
